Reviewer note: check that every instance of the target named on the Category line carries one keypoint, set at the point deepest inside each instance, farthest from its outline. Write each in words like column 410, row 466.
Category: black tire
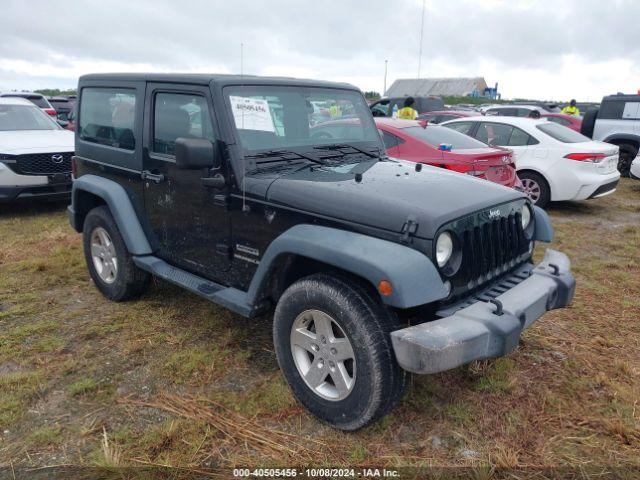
column 129, row 281
column 628, row 153
column 589, row 122
column 544, row 196
column 379, row 381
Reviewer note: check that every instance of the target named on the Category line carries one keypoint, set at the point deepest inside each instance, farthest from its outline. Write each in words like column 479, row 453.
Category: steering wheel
column 322, row 135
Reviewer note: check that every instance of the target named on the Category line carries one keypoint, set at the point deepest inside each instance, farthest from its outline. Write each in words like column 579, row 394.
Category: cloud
column 545, row 49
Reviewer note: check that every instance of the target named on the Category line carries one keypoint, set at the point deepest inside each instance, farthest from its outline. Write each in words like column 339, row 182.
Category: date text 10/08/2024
column 316, row 472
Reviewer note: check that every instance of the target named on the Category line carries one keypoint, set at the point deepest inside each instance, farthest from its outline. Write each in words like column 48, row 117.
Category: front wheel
column 331, row 337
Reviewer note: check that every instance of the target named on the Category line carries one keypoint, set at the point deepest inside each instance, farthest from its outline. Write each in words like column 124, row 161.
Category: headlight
column 525, row 213
column 444, row 248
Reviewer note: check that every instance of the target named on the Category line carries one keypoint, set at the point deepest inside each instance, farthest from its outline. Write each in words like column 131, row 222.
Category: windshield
column 435, row 136
column 562, row 133
column 24, row 117
column 289, row 117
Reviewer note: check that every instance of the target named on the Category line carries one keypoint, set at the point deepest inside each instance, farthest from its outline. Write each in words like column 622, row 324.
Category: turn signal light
column 385, row 288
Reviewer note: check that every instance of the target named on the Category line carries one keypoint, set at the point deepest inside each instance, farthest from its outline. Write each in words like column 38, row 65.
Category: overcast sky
column 545, row 49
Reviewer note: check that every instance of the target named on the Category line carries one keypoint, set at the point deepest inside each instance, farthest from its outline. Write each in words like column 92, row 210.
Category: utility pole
column 384, row 91
column 421, row 35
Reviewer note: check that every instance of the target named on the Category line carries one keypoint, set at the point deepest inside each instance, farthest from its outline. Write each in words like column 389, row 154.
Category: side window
column 611, row 110
column 494, row 133
column 107, row 116
column 389, row 140
column 522, row 112
column 520, row 138
column 179, row 115
column 462, row 127
column 631, row 110
column 380, row 109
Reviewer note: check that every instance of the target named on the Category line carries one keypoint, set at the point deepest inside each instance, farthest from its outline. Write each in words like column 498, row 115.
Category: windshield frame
column 366, row 119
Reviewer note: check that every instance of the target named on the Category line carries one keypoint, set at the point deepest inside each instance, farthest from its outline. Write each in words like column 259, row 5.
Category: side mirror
column 196, row 153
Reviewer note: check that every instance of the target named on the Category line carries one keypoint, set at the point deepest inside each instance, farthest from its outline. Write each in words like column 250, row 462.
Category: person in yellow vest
column 407, row 112
column 571, row 109
column 335, row 111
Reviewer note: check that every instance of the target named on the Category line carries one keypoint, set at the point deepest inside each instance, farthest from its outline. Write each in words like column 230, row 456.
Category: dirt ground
column 172, row 380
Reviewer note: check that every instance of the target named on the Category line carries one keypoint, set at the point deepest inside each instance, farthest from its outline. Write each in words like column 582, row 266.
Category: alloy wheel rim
column 532, row 189
column 103, row 255
column 323, row 355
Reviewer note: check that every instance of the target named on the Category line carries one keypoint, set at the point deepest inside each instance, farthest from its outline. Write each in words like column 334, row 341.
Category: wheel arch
column 306, row 249
column 620, row 139
column 538, row 172
column 90, row 191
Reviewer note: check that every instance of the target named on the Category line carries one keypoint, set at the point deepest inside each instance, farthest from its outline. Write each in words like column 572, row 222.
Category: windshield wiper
column 341, row 146
column 282, row 153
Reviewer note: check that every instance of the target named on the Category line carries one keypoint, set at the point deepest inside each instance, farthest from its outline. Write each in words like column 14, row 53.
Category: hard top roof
column 623, row 96
column 206, row 78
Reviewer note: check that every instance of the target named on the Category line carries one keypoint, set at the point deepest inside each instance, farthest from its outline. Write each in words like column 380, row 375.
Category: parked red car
column 418, row 141
column 569, row 121
column 445, row 115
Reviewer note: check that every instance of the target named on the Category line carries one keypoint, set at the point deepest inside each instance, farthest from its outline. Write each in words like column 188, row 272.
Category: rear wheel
column 332, row 341
column 108, row 260
column 536, row 187
column 627, row 154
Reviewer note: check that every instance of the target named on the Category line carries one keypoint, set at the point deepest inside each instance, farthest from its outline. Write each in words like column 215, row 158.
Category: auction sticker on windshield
column 251, row 114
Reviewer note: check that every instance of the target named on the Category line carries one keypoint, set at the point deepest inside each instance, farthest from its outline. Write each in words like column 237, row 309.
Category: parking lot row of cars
column 500, row 143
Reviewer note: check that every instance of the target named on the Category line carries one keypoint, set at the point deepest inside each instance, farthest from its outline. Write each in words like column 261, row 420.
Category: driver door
column 190, row 228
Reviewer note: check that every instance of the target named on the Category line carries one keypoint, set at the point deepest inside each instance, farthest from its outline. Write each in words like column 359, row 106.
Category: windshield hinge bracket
column 409, row 228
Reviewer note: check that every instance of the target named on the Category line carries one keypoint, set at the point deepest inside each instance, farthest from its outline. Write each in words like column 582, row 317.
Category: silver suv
column 618, row 122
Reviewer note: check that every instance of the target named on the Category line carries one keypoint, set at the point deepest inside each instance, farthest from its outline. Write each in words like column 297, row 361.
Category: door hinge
column 409, row 228
column 221, row 199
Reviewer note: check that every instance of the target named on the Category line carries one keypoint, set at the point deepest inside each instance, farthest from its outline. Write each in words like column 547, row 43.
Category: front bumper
column 41, row 192
column 483, row 329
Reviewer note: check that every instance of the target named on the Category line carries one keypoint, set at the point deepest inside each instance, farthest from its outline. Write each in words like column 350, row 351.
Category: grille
column 492, row 248
column 43, row 164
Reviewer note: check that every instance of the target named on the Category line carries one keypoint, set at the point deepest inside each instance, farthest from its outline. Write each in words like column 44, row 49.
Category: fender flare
column 119, row 204
column 414, row 278
column 543, row 229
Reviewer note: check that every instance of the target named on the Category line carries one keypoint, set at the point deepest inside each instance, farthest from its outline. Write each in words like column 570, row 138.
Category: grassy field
column 171, row 379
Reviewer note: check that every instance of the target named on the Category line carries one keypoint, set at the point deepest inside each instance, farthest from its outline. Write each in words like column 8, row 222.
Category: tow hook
column 499, row 312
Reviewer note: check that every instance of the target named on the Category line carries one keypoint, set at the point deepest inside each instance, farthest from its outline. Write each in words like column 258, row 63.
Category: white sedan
column 35, row 153
column 554, row 162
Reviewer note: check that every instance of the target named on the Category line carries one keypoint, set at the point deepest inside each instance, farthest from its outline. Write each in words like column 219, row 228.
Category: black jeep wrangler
column 275, row 193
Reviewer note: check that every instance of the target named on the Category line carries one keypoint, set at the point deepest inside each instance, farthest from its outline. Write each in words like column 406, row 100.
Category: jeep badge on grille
column 493, row 214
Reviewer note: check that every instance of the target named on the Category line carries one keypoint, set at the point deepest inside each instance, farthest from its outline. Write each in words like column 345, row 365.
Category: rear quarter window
column 107, row 117
column 611, row 110
column 562, row 134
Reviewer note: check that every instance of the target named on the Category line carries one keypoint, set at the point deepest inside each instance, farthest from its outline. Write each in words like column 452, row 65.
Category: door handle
column 154, row 177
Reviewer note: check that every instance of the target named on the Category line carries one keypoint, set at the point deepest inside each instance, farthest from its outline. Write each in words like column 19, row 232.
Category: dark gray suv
column 229, row 187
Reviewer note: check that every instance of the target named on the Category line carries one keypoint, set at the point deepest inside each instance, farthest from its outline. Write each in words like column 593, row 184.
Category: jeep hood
column 387, row 194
